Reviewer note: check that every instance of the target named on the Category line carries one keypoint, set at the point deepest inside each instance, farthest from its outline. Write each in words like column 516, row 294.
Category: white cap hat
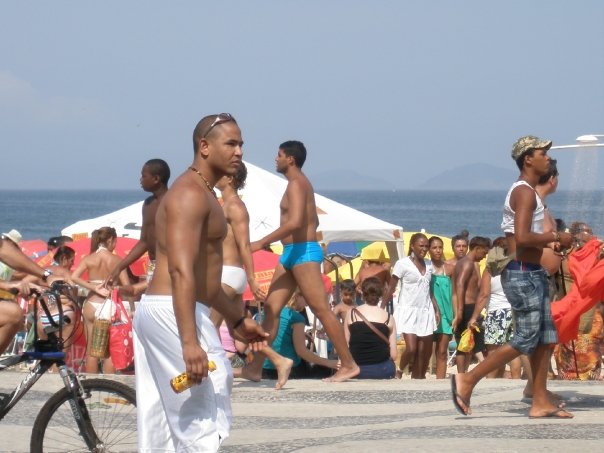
column 13, row 235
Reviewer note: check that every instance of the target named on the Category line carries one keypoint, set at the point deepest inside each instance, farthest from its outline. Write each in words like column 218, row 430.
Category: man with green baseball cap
column 525, row 284
column 528, row 143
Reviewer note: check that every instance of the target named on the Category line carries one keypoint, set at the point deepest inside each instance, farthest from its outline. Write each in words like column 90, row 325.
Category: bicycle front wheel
column 112, row 409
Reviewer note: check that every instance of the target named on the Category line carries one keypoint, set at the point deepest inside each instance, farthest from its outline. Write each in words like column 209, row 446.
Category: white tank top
column 507, row 224
column 497, row 301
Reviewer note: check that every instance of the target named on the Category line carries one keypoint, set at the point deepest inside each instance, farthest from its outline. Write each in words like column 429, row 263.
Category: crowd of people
column 389, row 320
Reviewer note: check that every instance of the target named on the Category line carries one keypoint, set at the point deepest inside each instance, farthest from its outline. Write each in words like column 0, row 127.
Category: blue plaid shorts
column 527, row 292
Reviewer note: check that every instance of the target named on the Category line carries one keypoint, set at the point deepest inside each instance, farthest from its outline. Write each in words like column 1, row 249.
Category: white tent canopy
column 126, row 221
column 262, row 195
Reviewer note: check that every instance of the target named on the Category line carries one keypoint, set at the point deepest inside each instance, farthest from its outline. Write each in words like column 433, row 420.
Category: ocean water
column 41, row 214
column 449, row 212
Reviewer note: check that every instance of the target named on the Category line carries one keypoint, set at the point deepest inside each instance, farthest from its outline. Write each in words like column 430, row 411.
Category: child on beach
column 347, row 299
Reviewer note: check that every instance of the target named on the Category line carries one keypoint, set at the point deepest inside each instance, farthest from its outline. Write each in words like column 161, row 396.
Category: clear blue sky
column 400, row 90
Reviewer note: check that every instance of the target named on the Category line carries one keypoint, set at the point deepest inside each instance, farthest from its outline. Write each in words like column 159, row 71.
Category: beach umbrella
column 344, row 271
column 37, row 250
column 34, row 248
column 375, row 251
column 122, row 248
column 45, row 260
column 264, row 268
column 348, row 248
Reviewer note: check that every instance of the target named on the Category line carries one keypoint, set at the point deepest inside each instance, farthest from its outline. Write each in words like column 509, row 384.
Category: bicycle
column 95, row 415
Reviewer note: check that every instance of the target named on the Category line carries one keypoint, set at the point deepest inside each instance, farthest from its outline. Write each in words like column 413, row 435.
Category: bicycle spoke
column 112, row 410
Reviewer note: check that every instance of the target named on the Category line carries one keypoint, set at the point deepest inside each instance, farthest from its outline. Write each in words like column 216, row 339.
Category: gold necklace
column 208, row 185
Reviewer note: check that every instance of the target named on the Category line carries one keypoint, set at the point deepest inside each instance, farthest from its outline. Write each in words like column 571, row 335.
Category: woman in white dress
column 416, row 314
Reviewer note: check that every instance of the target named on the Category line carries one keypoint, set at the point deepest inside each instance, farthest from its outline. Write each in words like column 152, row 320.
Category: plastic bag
column 466, row 342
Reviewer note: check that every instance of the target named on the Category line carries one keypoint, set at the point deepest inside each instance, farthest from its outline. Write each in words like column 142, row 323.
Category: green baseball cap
column 528, row 142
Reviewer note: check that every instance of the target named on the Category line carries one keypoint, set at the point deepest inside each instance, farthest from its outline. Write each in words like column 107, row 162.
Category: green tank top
column 441, row 288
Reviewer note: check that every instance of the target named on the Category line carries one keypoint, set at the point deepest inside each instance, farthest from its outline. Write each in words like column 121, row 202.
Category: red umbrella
column 45, row 260
column 37, row 250
column 122, row 248
column 264, row 268
column 34, row 248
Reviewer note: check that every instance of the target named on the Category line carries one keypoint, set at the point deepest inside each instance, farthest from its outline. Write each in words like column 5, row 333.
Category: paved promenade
column 375, row 416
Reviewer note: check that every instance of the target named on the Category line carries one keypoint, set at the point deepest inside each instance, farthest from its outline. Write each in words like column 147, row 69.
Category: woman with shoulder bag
column 371, row 334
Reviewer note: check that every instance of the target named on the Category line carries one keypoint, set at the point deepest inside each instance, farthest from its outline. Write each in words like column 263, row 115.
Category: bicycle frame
column 46, row 360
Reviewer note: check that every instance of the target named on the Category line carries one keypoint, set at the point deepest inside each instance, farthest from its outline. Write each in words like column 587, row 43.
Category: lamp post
column 584, row 141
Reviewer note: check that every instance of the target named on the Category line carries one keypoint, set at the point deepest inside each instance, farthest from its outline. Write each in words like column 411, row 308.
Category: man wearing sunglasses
column 173, row 330
column 300, row 264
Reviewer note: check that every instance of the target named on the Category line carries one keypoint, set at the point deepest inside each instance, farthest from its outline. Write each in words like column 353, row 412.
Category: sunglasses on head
column 220, row 118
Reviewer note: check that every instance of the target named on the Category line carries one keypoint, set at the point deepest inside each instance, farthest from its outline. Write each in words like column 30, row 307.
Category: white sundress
column 414, row 312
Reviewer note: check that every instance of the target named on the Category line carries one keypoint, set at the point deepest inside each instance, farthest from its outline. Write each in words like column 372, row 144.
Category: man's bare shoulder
column 522, row 191
column 186, row 194
column 150, row 207
column 149, row 200
column 463, row 264
column 299, row 183
column 235, row 209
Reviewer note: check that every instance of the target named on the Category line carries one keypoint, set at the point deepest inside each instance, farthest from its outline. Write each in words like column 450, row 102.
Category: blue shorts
column 384, row 370
column 300, row 253
column 527, row 292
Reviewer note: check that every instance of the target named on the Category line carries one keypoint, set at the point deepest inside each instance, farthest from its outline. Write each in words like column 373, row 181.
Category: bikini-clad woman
column 99, row 265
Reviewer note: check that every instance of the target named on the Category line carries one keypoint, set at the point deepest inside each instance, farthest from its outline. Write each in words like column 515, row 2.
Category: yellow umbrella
column 376, row 251
column 343, row 271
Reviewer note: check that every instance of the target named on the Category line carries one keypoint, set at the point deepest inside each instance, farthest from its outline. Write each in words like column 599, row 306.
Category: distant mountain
column 347, row 180
column 479, row 176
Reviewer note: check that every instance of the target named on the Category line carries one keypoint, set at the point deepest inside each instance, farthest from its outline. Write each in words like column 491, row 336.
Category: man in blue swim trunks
column 525, row 285
column 300, row 264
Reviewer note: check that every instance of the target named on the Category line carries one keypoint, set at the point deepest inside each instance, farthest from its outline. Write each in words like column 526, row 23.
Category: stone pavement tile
column 311, row 416
column 16, row 427
column 373, row 416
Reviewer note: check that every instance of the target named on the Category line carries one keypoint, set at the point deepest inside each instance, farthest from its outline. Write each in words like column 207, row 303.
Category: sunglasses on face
column 220, row 118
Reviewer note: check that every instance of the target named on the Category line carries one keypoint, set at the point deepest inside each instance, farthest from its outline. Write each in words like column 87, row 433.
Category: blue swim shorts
column 300, row 253
column 527, row 292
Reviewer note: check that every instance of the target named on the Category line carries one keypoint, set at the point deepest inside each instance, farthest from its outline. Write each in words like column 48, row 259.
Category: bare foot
column 283, row 369
column 344, row 373
column 251, row 375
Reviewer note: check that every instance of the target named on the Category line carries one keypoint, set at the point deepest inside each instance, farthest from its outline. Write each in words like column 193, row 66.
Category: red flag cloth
column 587, row 290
